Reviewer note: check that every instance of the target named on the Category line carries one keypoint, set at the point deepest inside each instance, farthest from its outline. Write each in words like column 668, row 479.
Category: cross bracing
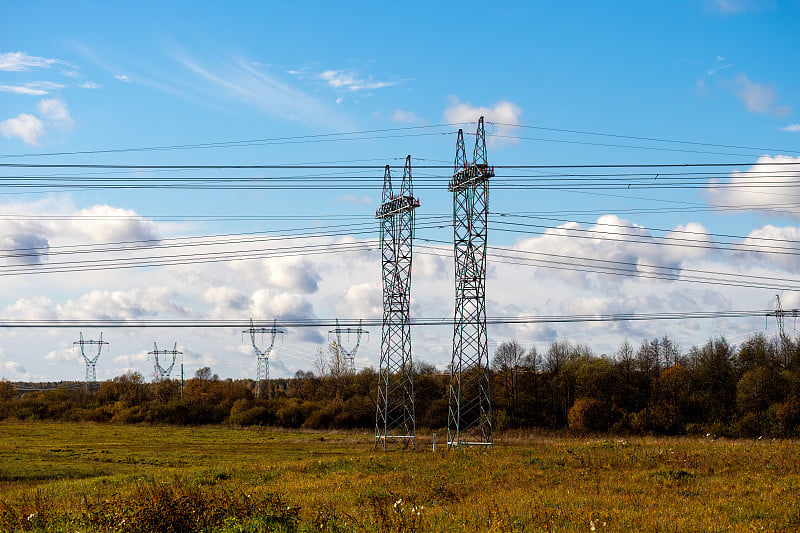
column 395, row 416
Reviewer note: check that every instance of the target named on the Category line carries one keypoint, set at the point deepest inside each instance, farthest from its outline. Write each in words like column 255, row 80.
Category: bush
column 588, row 414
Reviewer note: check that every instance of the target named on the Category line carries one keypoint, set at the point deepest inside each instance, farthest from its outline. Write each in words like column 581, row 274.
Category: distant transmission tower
column 469, row 420
column 349, row 356
column 262, row 369
column 395, row 418
column 780, row 313
column 91, row 362
column 161, row 373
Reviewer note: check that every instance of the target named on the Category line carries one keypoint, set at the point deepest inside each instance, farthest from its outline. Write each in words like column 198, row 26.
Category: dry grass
column 78, row 477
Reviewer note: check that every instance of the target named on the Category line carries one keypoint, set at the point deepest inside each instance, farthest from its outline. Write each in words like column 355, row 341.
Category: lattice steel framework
column 349, row 356
column 161, row 373
column 262, row 369
column 395, row 419
column 91, row 362
column 469, row 420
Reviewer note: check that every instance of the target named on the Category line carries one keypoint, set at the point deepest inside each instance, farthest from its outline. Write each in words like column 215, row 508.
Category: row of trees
column 749, row 390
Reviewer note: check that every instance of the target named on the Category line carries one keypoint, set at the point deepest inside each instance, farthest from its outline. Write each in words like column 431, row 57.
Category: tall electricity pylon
column 349, row 356
column 780, row 313
column 161, row 373
column 262, row 369
column 395, row 419
column 469, row 420
column 91, row 362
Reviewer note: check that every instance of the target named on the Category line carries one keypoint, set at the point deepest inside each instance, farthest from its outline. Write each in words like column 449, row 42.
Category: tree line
column 655, row 388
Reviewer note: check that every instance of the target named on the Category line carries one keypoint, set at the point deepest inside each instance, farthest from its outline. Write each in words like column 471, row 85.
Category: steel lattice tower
column 161, row 373
column 91, row 362
column 349, row 356
column 262, row 369
column 395, row 419
column 469, row 420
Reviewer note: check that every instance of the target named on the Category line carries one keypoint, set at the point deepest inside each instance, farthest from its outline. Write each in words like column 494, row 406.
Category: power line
column 375, row 322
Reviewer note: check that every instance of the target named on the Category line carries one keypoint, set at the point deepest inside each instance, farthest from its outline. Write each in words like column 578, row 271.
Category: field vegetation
column 139, row 478
column 655, row 389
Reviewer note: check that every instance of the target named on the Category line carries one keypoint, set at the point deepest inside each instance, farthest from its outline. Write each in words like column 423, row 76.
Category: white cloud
column 242, row 81
column 30, row 128
column 22, row 90
column 69, row 354
column 762, row 244
column 342, row 79
column 505, row 115
column 19, row 61
column 104, row 223
column 613, row 249
column 54, row 111
column 766, row 186
column 89, row 85
column 13, row 370
column 404, row 116
column 131, row 304
column 26, row 127
column 758, row 98
column 791, row 127
column 122, row 77
column 291, row 274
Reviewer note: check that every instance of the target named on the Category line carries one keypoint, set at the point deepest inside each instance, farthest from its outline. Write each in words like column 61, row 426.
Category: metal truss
column 91, row 362
column 349, row 356
column 469, row 420
column 161, row 373
column 395, row 421
column 262, row 369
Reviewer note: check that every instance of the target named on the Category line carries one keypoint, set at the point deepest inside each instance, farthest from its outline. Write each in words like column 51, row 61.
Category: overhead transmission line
column 374, row 322
column 382, row 133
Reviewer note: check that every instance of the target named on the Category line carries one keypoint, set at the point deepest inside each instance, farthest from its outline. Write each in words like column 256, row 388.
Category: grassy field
column 79, row 477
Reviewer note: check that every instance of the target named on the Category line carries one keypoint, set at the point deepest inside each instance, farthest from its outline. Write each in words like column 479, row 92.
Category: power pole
column 161, row 373
column 780, row 313
column 395, row 417
column 349, row 356
column 469, row 420
column 262, row 369
column 91, row 362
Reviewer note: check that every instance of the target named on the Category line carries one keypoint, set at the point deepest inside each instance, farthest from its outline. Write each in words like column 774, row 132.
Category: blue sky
column 89, row 76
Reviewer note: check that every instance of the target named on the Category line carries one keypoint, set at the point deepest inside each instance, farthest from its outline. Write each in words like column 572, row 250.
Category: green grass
column 80, row 477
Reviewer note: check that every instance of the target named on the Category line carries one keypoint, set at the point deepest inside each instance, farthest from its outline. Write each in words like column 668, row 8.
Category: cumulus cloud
column 291, row 274
column 89, row 85
column 14, row 370
column 30, row 128
column 758, row 98
column 283, row 305
column 768, row 244
column 27, row 127
column 792, row 128
column 122, row 77
column 765, row 186
column 54, row 111
column 614, row 249
column 504, row 115
column 125, row 305
column 349, row 80
column 23, row 247
column 104, row 223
